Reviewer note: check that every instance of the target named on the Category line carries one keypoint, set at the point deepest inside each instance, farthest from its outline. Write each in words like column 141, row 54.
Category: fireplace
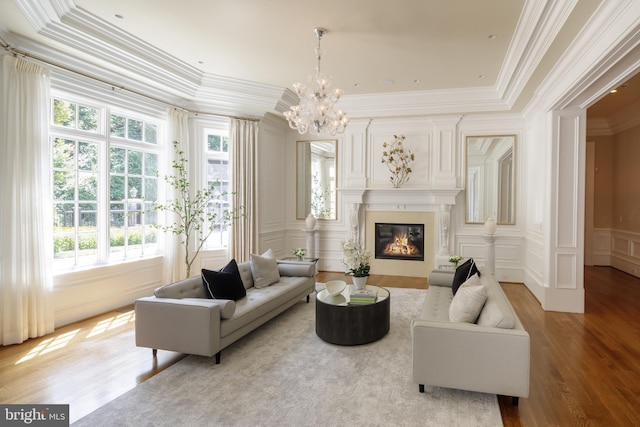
column 399, row 241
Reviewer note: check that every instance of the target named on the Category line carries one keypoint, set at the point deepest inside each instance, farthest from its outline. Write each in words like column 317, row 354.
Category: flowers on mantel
column 356, row 258
column 397, row 160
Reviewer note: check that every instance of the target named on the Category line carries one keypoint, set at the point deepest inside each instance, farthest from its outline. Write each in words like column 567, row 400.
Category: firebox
column 399, row 241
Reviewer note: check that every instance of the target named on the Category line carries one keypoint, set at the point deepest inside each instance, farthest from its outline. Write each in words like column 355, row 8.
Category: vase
column 359, row 282
column 299, row 258
column 490, row 226
column 310, row 222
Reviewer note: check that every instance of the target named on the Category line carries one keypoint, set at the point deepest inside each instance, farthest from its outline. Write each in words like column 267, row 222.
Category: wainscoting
column 617, row 248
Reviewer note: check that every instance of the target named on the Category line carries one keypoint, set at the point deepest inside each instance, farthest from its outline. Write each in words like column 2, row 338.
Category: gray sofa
column 491, row 355
column 180, row 317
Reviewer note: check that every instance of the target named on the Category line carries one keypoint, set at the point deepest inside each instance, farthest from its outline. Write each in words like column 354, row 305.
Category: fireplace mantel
column 415, row 197
column 408, row 199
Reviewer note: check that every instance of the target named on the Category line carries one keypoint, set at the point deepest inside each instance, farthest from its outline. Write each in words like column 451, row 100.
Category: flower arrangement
column 397, row 160
column 299, row 252
column 455, row 259
column 356, row 258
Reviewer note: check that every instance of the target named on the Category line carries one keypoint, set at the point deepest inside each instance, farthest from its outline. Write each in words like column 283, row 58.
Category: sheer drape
column 174, row 265
column 243, row 153
column 26, row 235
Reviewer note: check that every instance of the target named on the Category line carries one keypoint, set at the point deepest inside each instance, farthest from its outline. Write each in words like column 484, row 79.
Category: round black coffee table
column 339, row 322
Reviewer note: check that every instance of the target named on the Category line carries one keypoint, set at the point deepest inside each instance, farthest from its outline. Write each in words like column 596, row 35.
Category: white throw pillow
column 467, row 303
column 264, row 270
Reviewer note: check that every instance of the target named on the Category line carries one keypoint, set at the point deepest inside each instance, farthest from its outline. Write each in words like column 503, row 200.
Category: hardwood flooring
column 585, row 368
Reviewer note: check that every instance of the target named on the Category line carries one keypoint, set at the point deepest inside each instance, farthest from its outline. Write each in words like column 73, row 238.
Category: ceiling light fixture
column 315, row 113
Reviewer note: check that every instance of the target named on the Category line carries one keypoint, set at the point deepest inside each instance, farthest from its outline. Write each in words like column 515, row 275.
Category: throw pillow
column 264, row 271
column 468, row 301
column 225, row 283
column 463, row 273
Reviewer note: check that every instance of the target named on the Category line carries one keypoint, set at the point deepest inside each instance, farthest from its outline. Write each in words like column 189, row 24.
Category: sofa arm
column 471, row 357
column 183, row 325
column 299, row 269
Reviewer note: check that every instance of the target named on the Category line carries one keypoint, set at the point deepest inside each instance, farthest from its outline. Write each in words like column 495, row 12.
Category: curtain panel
column 174, row 265
column 243, row 153
column 26, row 228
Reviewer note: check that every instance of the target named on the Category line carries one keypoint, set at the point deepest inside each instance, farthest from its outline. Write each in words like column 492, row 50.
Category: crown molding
column 540, row 23
column 415, row 103
column 605, row 50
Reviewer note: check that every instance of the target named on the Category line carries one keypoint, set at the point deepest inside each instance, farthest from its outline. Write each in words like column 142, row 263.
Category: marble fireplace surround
column 425, row 205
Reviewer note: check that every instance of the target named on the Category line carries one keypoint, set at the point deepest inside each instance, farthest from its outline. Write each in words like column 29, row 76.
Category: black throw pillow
column 463, row 273
column 225, row 283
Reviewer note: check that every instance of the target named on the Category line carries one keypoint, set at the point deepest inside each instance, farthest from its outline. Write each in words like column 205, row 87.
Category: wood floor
column 585, row 368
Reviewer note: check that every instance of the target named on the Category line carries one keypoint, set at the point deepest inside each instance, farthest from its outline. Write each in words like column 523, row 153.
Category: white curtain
column 243, row 154
column 174, row 253
column 26, row 234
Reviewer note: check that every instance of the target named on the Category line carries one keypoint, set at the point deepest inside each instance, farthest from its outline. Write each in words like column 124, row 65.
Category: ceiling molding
column 41, row 13
column 608, row 40
column 422, row 103
column 538, row 27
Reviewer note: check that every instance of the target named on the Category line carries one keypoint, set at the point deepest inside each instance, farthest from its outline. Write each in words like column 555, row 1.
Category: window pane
column 87, row 156
column 134, row 130
column 64, row 185
column 64, row 113
column 150, row 188
column 63, row 216
column 117, row 160
column 150, row 133
column 88, row 216
column 150, row 164
column 64, row 152
column 87, row 186
column 116, row 188
column 135, row 162
column 218, row 170
column 135, row 187
column 225, row 144
column 150, row 215
column 117, row 125
column 64, row 245
column 213, row 142
column 117, row 215
column 88, row 118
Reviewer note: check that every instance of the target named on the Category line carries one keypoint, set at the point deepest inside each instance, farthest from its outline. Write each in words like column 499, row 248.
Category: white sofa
column 180, row 317
column 491, row 355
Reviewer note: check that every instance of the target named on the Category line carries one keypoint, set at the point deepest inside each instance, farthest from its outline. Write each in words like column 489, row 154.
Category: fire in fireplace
column 399, row 241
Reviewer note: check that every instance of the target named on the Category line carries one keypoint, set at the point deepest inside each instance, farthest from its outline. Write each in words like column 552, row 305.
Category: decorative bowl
column 334, row 287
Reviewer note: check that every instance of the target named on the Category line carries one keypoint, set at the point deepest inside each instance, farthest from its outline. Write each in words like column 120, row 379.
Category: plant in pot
column 356, row 260
column 196, row 211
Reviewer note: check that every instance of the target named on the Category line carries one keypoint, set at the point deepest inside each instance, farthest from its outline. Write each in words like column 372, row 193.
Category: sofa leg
column 308, row 299
column 421, row 388
column 155, row 352
column 218, row 358
column 515, row 400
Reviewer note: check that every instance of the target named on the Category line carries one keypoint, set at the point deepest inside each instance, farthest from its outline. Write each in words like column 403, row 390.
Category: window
column 217, row 154
column 104, row 182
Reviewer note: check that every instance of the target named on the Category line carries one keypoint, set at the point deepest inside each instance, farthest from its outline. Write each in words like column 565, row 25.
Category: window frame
column 105, row 142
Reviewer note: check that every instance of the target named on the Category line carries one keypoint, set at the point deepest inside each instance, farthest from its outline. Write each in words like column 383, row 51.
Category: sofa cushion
column 187, row 288
column 468, row 301
column 264, row 270
column 497, row 311
column 463, row 273
column 225, row 283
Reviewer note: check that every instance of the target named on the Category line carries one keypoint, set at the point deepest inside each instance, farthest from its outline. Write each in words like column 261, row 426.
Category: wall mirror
column 316, row 165
column 491, row 179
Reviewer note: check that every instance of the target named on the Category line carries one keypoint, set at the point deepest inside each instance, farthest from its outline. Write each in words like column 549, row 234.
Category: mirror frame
column 510, row 185
column 302, row 185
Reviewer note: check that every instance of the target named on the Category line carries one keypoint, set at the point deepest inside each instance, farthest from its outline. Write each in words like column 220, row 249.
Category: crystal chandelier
column 315, row 114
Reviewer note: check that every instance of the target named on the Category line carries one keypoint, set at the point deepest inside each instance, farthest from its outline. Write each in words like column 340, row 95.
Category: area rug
column 282, row 374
